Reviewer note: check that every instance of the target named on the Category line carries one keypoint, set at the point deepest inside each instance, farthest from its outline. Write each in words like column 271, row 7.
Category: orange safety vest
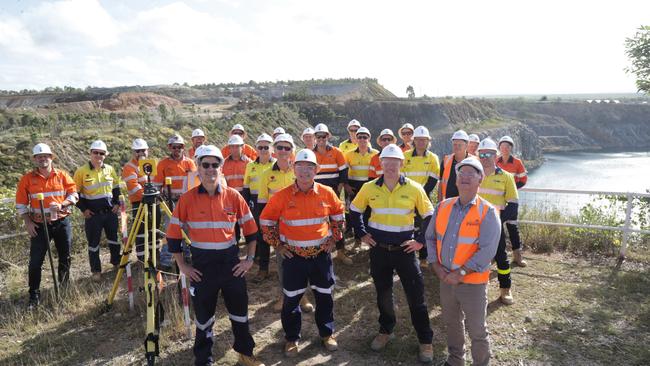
column 177, row 170
column 468, row 236
column 234, row 170
column 375, row 167
column 134, row 179
column 514, row 166
column 445, row 175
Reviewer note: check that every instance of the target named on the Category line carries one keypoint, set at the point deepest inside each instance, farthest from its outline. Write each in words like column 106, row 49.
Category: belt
column 103, row 210
column 390, row 247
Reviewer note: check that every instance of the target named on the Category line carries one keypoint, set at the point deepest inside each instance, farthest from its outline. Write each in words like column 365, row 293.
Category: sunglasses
column 262, row 148
column 283, row 148
column 99, row 153
column 140, row 151
column 486, row 155
column 208, row 165
column 237, row 133
column 363, row 137
column 177, row 147
column 386, row 139
column 407, row 133
column 321, row 137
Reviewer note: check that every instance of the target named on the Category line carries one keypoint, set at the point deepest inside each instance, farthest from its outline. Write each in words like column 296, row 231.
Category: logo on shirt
column 272, row 178
column 473, row 223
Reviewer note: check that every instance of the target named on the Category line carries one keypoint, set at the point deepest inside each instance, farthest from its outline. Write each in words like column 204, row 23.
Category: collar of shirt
column 469, row 204
column 90, row 164
column 380, row 181
column 314, row 188
column 276, row 167
column 415, row 152
column 510, row 159
column 202, row 189
column 328, row 147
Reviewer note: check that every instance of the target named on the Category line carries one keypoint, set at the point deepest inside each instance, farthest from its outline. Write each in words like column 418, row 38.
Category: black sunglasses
column 140, row 150
column 262, row 148
column 285, row 148
column 237, row 133
column 387, row 139
column 363, row 137
column 321, row 137
column 208, row 165
column 99, row 153
column 177, row 147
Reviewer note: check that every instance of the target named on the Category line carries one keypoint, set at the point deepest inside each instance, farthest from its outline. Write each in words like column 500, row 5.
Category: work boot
column 261, row 275
column 305, row 305
column 426, row 353
column 506, row 297
column 518, row 258
column 380, row 341
column 249, row 360
column 424, row 264
column 96, row 276
column 34, row 299
column 330, row 343
column 341, row 257
column 277, row 307
column 291, row 349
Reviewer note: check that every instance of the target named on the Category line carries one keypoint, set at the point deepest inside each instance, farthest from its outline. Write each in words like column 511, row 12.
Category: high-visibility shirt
column 516, row 167
column 190, row 152
column 347, row 146
column 392, row 212
column 422, row 168
column 57, row 187
column 405, row 147
column 448, row 187
column 272, row 180
column 252, row 176
column 134, row 180
column 359, row 164
column 499, row 189
column 375, row 167
column 177, row 170
column 209, row 221
column 247, row 150
column 98, row 188
column 332, row 167
column 234, row 170
column 304, row 218
column 468, row 236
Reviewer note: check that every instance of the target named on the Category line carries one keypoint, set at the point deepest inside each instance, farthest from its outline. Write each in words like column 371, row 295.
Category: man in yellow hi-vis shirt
column 99, row 196
column 498, row 188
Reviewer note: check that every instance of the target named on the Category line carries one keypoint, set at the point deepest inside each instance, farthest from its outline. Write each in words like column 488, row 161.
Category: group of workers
column 278, row 196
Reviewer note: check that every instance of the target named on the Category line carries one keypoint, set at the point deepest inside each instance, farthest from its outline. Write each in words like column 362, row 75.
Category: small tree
column 637, row 50
column 410, row 92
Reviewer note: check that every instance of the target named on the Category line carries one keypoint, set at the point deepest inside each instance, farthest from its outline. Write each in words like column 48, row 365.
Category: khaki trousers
column 465, row 305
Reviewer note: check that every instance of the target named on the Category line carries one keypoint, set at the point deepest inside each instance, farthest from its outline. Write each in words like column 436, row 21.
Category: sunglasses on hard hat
column 206, row 165
column 486, row 155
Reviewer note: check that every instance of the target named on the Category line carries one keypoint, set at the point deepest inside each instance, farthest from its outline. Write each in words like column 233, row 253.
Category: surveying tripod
column 155, row 313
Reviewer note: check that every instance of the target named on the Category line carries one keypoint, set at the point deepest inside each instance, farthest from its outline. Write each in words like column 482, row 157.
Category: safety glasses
column 262, row 148
column 486, row 155
column 101, row 153
column 283, row 148
column 206, row 165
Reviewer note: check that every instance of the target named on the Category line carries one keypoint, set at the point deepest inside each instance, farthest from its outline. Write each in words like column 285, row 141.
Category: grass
column 568, row 311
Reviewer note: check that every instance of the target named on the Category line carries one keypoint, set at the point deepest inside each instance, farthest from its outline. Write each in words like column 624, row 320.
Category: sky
column 461, row 47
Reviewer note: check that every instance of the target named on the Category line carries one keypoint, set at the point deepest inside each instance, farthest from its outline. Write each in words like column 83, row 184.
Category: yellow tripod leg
column 126, row 253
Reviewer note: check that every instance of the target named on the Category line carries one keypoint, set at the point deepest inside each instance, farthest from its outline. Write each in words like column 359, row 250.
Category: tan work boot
column 341, row 257
column 249, row 360
column 518, row 258
column 305, row 305
column 426, row 353
column 291, row 349
column 506, row 296
column 380, row 341
column 277, row 307
column 424, row 264
column 96, row 276
column 261, row 276
column 330, row 343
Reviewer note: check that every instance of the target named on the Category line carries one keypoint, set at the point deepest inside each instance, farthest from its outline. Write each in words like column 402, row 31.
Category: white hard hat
column 507, row 139
column 321, row 128
column 488, row 144
column 278, row 130
column 473, row 162
column 421, row 131
column 460, row 135
column 235, row 140
column 307, row 131
column 391, row 151
column 237, row 127
column 406, row 125
column 198, row 133
column 139, row 144
column 98, row 145
column 474, row 138
column 306, row 155
column 363, row 130
column 354, row 122
column 284, row 137
column 176, row 139
column 264, row 137
column 41, row 149
column 208, row 150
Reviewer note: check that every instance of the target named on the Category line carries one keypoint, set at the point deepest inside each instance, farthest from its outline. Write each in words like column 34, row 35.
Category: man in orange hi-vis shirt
column 178, row 167
column 209, row 213
column 303, row 222
column 60, row 194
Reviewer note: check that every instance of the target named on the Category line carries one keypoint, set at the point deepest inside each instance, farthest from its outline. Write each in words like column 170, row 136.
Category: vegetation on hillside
column 637, row 49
